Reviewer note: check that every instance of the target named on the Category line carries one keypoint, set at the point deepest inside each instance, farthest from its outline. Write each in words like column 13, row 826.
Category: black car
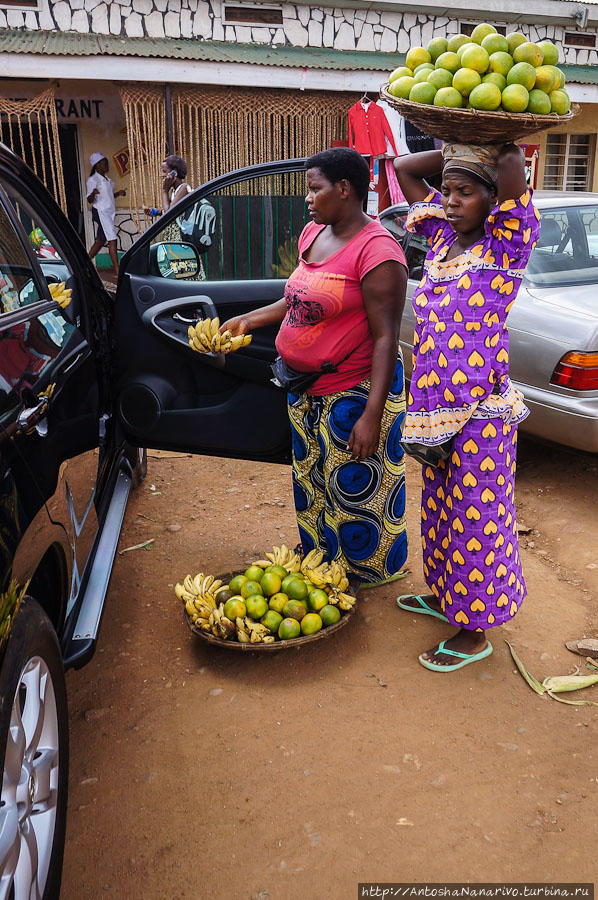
column 83, row 388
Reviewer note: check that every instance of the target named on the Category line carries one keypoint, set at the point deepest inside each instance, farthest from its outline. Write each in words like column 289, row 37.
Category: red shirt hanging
column 368, row 130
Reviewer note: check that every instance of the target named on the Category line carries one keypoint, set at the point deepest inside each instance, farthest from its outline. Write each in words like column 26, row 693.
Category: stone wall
column 303, row 26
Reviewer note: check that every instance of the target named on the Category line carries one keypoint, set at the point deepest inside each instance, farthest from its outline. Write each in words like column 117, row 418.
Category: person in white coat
column 101, row 195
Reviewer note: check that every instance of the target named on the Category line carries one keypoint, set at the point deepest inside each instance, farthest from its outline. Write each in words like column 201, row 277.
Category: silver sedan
column 553, row 326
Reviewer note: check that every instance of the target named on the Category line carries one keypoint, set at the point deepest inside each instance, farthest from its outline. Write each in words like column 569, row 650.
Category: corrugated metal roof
column 70, row 43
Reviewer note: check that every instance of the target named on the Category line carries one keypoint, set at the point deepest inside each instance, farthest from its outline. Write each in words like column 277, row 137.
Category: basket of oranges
column 278, row 602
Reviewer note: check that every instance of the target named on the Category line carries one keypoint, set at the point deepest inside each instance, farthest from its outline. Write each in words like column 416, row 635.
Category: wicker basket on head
column 474, row 126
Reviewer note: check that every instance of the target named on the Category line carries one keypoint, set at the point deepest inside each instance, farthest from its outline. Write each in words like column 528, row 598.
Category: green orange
column 271, row 583
column 257, row 606
column 254, row 573
column 278, row 570
column 317, row 599
column 297, row 590
column 289, row 628
column 311, row 624
column 236, row 583
column 251, row 587
column 277, row 602
column 272, row 620
column 330, row 615
column 481, row 31
column 235, row 607
column 293, row 609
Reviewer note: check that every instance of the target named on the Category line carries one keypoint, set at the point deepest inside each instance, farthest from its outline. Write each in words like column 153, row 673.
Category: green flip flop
column 465, row 658
column 424, row 609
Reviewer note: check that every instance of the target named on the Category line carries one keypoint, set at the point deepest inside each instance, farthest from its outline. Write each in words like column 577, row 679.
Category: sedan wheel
column 34, row 732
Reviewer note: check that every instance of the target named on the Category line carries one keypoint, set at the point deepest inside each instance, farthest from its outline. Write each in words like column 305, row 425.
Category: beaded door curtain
column 217, row 130
column 30, row 129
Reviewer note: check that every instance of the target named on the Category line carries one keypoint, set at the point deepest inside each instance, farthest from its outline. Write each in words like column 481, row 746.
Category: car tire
column 34, row 751
column 139, row 467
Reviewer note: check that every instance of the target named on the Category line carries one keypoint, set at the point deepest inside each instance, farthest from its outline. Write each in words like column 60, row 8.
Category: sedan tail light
column 577, row 371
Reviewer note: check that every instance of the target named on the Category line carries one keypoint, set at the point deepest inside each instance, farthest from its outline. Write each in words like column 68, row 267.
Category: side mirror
column 178, row 261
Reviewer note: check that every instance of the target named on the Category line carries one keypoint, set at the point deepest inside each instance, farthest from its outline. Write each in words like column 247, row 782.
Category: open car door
column 226, row 249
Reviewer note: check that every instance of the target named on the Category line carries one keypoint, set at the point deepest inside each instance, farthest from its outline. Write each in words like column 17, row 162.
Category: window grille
column 569, row 162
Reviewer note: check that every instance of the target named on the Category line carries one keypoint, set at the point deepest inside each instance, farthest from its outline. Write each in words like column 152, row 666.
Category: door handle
column 30, row 419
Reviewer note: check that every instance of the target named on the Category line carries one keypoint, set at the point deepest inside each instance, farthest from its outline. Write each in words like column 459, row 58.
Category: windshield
column 567, row 250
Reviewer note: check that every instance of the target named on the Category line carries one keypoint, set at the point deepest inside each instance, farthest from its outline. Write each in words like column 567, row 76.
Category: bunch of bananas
column 281, row 556
column 198, row 596
column 61, row 294
column 250, row 632
column 205, row 337
column 328, row 575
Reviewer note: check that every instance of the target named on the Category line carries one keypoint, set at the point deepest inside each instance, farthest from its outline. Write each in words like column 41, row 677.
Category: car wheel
column 138, row 466
column 34, row 750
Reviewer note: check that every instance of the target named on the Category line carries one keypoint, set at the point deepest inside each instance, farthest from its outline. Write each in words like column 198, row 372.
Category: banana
column 272, row 558
column 196, row 344
column 190, row 608
column 189, row 585
column 215, row 342
column 262, row 563
column 268, row 639
column 256, row 637
column 236, row 342
column 242, row 637
column 247, row 338
column 204, row 341
column 214, row 326
column 223, row 587
column 179, row 591
column 205, row 329
column 294, row 563
column 312, row 560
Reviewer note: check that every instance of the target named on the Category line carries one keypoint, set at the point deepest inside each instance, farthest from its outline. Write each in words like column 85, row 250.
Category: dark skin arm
column 383, row 297
column 273, row 314
column 511, row 173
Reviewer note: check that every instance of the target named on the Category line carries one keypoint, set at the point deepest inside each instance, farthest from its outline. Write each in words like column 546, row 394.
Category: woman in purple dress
column 463, row 410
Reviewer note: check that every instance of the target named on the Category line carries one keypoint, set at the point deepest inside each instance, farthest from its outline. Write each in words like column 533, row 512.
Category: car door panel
column 168, row 395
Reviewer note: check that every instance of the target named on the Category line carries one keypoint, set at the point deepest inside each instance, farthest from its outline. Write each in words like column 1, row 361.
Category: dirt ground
column 200, row 773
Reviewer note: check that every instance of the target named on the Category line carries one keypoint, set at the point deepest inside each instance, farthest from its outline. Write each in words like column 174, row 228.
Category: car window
column 414, row 246
column 28, row 343
column 18, row 282
column 567, row 248
column 245, row 231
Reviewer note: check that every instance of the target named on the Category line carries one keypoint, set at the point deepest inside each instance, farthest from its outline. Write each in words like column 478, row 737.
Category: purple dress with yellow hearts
column 460, row 389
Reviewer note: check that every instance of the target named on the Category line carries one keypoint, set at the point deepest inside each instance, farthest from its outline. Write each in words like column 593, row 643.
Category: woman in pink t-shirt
column 343, row 306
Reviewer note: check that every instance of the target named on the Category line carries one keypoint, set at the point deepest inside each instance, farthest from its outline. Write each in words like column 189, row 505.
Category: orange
column 235, row 607
column 560, row 102
column 254, row 573
column 457, row 41
column 311, row 624
column 475, row 58
column 440, row 78
column 448, row 61
column 529, row 53
column 495, row 43
column 317, row 600
column 539, row 103
column 464, row 80
column 400, row 87
column 550, row 52
column 399, row 72
column 236, row 583
column 416, row 56
column 277, row 602
column 514, row 39
column 289, row 628
column 422, row 93
column 287, row 580
column 499, row 62
column 297, row 590
column 522, row 73
column 293, row 609
column 436, row 47
column 485, row 96
column 278, row 570
column 448, row 96
column 515, row 98
column 271, row 583
column 495, row 78
column 546, row 78
column 257, row 606
column 251, row 587
column 272, row 621
column 330, row 615
column 481, row 31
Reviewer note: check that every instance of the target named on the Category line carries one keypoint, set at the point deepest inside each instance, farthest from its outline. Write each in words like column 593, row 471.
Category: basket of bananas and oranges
column 205, row 337
column 278, row 602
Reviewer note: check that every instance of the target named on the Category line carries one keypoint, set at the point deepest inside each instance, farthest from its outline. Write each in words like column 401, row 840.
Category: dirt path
column 199, row 773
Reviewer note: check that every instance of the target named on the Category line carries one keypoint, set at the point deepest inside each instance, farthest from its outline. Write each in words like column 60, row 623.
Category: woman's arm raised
column 511, row 173
column 412, row 171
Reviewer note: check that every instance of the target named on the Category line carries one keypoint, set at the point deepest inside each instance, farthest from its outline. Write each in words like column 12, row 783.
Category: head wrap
column 95, row 158
column 479, row 162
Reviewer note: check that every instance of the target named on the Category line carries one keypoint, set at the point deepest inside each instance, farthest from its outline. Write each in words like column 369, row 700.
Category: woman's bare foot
column 469, row 642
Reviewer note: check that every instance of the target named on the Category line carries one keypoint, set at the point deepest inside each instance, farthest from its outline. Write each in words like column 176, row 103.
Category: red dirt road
column 204, row 774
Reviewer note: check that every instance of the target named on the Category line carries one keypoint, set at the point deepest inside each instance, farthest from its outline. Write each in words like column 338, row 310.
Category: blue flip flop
column 465, row 658
column 424, row 609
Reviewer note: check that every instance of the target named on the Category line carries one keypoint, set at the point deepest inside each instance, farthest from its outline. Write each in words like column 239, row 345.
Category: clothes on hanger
column 397, row 126
column 369, row 129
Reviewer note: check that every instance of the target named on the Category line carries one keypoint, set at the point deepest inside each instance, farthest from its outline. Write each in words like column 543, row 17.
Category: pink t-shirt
column 326, row 318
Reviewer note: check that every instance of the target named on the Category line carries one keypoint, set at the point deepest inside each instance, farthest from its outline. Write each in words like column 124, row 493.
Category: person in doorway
column 463, row 410
column 340, row 320
column 101, row 195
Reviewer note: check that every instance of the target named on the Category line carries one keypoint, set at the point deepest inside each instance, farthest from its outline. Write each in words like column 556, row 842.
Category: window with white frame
column 569, row 162
column 19, row 4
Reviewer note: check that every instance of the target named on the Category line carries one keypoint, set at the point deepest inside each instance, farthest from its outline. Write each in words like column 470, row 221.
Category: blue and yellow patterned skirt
column 354, row 511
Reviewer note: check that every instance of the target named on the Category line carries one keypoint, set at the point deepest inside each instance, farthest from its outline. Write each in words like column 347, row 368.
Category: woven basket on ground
column 473, row 126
